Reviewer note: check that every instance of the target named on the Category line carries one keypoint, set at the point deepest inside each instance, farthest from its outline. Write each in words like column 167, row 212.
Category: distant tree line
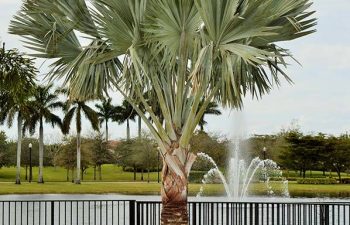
column 293, row 150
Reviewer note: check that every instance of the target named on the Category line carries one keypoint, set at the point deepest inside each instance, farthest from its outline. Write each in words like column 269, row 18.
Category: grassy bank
column 54, row 174
column 140, row 188
column 113, row 173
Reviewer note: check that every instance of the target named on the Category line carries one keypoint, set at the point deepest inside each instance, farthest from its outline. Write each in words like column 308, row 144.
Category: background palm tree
column 77, row 107
column 212, row 109
column 188, row 51
column 125, row 113
column 106, row 111
column 41, row 106
column 17, row 77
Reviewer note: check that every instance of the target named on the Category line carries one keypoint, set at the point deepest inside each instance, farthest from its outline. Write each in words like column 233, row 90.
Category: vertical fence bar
column 132, row 212
column 53, row 213
column 194, row 213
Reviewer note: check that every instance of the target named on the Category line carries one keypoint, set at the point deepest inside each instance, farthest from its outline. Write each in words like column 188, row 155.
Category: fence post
column 194, row 213
column 256, row 214
column 324, row 214
column 132, row 212
column 52, row 213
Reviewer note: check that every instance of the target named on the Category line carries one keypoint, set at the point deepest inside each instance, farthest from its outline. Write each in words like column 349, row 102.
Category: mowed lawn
column 54, row 174
column 153, row 188
column 115, row 180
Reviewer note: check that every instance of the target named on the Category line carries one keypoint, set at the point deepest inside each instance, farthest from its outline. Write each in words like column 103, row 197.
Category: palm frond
column 67, row 120
column 91, row 116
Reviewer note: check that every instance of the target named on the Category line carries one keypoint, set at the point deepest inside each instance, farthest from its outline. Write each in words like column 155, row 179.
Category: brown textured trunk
column 176, row 167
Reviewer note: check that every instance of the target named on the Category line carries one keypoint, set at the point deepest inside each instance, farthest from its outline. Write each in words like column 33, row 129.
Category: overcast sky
column 319, row 99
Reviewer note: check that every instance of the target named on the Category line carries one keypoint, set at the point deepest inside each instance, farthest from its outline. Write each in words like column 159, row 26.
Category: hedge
column 317, row 181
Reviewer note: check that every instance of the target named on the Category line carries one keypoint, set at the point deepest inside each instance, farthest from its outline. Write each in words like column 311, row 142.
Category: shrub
column 317, row 181
column 196, row 176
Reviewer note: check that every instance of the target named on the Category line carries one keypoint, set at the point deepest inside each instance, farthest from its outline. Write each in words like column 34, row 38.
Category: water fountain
column 240, row 176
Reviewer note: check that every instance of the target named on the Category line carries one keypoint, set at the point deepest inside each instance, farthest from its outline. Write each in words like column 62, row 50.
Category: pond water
column 50, row 197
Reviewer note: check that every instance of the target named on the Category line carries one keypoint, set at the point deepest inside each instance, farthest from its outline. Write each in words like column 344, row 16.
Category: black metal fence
column 131, row 212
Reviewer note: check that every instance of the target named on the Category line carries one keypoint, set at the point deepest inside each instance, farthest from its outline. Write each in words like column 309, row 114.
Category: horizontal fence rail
column 131, row 212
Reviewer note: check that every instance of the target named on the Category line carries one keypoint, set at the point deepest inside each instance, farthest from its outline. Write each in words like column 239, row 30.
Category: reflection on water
column 50, row 197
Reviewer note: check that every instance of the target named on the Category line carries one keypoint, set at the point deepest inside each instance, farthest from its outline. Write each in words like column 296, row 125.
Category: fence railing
column 131, row 212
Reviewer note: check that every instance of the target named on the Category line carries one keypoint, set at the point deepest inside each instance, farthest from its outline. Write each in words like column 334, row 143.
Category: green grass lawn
column 53, row 174
column 144, row 188
column 112, row 173
column 115, row 180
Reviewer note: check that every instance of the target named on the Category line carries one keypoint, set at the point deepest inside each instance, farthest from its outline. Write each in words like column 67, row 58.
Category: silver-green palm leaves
column 183, row 50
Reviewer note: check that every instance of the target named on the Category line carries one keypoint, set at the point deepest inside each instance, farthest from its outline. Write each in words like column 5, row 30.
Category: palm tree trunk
column 175, row 187
column 41, row 151
column 127, row 130
column 106, row 131
column 139, row 126
column 19, row 148
column 77, row 180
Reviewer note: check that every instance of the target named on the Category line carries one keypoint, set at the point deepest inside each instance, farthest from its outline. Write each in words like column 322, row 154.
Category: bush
column 317, row 181
column 196, row 176
column 345, row 181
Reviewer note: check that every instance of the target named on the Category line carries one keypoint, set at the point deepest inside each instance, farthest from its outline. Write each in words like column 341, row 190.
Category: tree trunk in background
column 339, row 175
column 139, row 126
column 94, row 172
column 141, row 174
column 19, row 148
column 26, row 173
column 67, row 175
column 175, row 186
column 134, row 172
column 77, row 180
column 100, row 172
column 41, row 151
column 82, row 173
column 72, row 173
column 148, row 175
column 127, row 130
column 106, row 131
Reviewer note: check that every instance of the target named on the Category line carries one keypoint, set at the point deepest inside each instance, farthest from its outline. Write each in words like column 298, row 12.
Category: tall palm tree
column 212, row 109
column 106, row 111
column 42, row 104
column 125, row 113
column 76, row 108
column 17, row 76
column 186, row 50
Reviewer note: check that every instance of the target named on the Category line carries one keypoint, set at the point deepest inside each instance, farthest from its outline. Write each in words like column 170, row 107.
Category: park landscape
column 161, row 71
